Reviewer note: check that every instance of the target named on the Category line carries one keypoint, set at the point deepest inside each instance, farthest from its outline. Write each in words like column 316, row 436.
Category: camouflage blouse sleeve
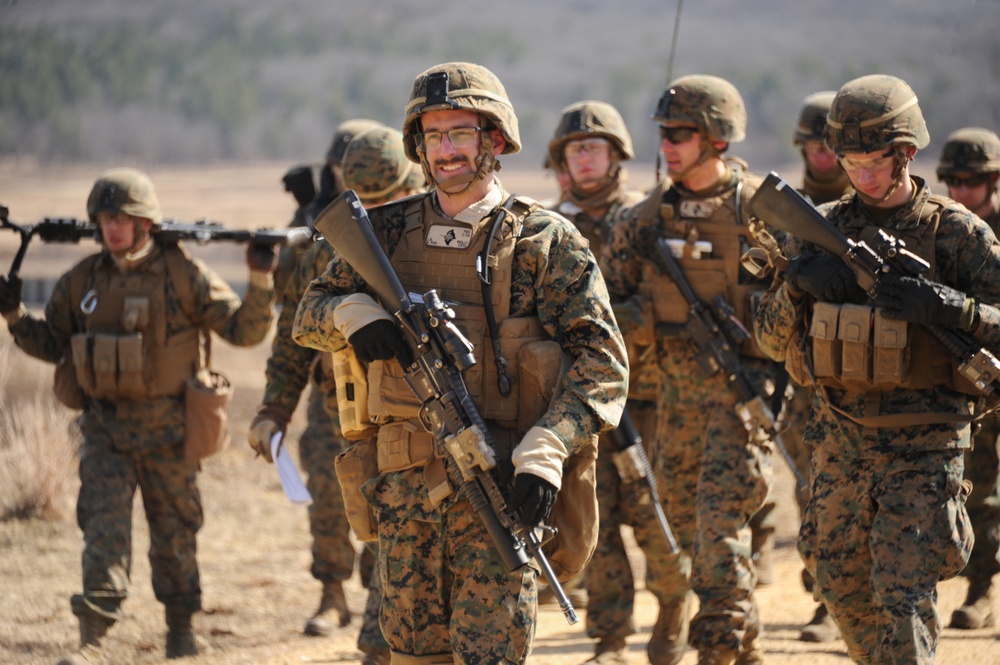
column 779, row 312
column 241, row 323
column 48, row 338
column 556, row 277
column 620, row 263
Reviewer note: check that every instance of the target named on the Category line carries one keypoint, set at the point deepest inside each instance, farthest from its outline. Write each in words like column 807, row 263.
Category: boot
column 180, row 635
column 977, row 610
column 670, row 633
column 609, row 651
column 333, row 600
column 717, row 655
column 822, row 627
column 752, row 655
column 93, row 628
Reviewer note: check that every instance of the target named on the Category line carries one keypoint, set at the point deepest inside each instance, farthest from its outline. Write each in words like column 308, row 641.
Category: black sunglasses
column 677, row 135
column 971, row 181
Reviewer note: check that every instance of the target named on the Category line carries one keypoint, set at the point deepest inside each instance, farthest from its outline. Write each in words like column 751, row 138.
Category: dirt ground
column 254, row 547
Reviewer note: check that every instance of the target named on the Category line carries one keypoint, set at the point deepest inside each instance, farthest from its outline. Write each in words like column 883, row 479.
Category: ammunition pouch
column 356, row 466
column 351, row 380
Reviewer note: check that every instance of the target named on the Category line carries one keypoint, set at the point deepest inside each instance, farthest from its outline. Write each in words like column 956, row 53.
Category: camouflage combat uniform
column 711, row 478
column 139, row 443
column 457, row 596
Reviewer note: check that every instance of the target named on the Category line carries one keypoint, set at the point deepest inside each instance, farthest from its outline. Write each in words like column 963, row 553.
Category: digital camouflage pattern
column 877, row 571
column 712, row 480
column 124, row 190
column 133, row 444
column 710, row 103
column 812, row 117
column 490, row 614
column 589, row 119
column 970, row 150
column 375, row 165
column 875, row 112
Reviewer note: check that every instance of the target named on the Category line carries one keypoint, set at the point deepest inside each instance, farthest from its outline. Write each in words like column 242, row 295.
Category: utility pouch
column 352, row 395
column 130, row 385
column 83, row 363
column 823, row 330
column 854, row 332
column 105, row 354
column 891, row 361
column 354, row 467
column 539, row 368
column 206, row 405
column 575, row 514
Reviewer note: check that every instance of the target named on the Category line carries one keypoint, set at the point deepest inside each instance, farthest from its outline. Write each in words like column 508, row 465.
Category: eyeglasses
column 460, row 137
column 854, row 164
column 970, row 181
column 677, row 135
column 585, row 147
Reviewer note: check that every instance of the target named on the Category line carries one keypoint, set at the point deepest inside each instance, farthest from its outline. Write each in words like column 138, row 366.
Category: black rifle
column 71, row 231
column 633, row 464
column 777, row 204
column 716, row 334
column 441, row 353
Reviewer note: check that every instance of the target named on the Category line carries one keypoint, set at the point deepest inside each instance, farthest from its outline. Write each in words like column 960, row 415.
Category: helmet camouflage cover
column 124, row 190
column 346, row 131
column 711, row 103
column 970, row 150
column 812, row 117
column 460, row 86
column 375, row 165
column 588, row 120
column 873, row 113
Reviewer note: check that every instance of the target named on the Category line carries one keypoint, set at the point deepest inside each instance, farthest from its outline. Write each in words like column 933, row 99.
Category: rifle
column 441, row 353
column 633, row 464
column 716, row 334
column 71, row 231
column 778, row 204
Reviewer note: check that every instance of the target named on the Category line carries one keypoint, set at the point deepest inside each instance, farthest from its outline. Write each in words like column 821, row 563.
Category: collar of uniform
column 483, row 207
column 724, row 184
column 902, row 218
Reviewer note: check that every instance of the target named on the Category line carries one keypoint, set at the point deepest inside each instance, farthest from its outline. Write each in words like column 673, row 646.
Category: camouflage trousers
column 116, row 458
column 609, row 581
column 446, row 588
column 982, row 467
column 713, row 480
column 370, row 639
column 879, row 533
column 321, row 442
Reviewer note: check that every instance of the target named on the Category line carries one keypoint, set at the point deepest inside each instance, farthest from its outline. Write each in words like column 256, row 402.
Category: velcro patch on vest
column 454, row 237
column 697, row 209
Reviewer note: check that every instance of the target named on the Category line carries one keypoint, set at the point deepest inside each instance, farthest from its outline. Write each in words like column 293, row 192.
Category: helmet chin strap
column 901, row 160
column 707, row 152
column 486, row 162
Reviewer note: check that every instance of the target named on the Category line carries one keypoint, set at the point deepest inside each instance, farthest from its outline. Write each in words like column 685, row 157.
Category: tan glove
column 268, row 422
column 541, row 453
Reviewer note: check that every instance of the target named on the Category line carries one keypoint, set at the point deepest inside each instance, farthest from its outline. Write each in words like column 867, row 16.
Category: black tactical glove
column 924, row 302
column 10, row 294
column 532, row 498
column 824, row 277
column 261, row 258
column 381, row 340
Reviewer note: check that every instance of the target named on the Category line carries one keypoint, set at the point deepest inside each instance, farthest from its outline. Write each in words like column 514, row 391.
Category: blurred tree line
column 190, row 82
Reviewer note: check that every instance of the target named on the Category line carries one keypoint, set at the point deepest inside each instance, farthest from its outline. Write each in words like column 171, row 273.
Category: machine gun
column 716, row 333
column 71, row 231
column 447, row 411
column 633, row 464
column 778, row 205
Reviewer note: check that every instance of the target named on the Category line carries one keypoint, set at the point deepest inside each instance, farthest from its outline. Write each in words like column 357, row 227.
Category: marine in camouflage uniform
column 290, row 368
column 137, row 289
column 712, row 477
column 886, row 519
column 448, row 595
column 970, row 168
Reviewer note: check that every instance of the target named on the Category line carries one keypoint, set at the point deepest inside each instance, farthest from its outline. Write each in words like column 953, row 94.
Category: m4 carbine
column 71, row 231
column 447, row 411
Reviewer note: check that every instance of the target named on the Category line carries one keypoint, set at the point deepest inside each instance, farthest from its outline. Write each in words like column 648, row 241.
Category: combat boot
column 609, row 651
column 822, row 627
column 977, row 610
column 93, row 628
column 180, row 634
column 333, row 600
column 670, row 633
column 717, row 655
column 752, row 655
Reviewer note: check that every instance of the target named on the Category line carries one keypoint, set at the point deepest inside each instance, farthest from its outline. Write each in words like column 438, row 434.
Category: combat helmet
column 346, row 131
column 376, row 167
column 125, row 190
column 875, row 113
column 812, row 117
column 970, row 150
column 711, row 103
column 590, row 119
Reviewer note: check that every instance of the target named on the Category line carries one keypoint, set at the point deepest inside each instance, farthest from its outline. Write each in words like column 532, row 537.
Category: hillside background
column 191, row 82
